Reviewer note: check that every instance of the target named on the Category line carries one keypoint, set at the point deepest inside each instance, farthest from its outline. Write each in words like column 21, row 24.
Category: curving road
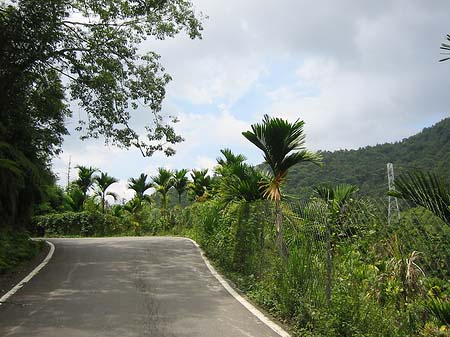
column 120, row 287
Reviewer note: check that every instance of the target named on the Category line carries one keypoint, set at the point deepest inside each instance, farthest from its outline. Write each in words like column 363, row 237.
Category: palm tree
column 163, row 182
column 337, row 198
column 140, row 185
column 180, row 182
column 229, row 161
column 282, row 144
column 103, row 182
column 239, row 180
column 426, row 190
column 201, row 183
column 85, row 179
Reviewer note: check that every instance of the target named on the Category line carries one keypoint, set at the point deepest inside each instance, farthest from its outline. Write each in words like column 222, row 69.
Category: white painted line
column 26, row 279
column 250, row 307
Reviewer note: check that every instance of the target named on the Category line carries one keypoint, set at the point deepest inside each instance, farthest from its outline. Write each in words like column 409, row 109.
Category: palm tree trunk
column 279, row 227
column 329, row 266
column 103, row 203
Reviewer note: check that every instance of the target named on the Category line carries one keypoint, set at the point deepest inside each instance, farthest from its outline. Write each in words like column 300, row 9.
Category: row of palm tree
column 91, row 181
column 165, row 180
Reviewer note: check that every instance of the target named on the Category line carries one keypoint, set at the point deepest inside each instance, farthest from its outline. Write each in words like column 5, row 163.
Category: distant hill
column 366, row 167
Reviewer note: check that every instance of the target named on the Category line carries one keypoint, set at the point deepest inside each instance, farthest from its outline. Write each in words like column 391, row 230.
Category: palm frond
column 104, row 180
column 446, row 47
column 230, row 158
column 112, row 194
column 426, row 190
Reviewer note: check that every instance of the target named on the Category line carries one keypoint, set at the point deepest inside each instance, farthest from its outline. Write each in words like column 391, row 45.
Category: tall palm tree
column 283, row 146
column 85, row 179
column 180, row 182
column 103, row 182
column 139, row 185
column 163, row 182
column 426, row 190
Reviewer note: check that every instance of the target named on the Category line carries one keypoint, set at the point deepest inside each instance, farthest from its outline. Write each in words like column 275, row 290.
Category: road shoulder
column 13, row 277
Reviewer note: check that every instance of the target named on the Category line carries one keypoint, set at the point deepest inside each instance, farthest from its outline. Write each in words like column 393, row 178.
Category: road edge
column 27, row 278
column 250, row 307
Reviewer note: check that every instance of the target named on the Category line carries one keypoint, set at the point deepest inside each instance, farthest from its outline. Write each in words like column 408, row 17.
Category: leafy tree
column 20, row 181
column 103, row 182
column 201, row 183
column 140, row 186
column 94, row 47
column 163, row 182
column 426, row 190
column 180, row 182
column 282, row 144
column 54, row 200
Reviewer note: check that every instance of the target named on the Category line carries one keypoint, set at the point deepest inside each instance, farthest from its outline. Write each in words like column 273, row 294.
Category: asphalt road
column 122, row 287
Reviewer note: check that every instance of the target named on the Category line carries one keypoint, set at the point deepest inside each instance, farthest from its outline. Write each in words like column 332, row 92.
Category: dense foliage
column 383, row 279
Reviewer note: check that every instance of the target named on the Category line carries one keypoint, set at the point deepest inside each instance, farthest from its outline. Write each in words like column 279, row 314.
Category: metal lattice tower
column 393, row 210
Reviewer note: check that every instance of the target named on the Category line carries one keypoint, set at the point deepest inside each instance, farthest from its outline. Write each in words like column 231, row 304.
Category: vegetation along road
column 126, row 287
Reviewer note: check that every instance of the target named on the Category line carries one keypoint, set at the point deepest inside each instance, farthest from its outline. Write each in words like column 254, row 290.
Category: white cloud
column 203, row 162
column 122, row 190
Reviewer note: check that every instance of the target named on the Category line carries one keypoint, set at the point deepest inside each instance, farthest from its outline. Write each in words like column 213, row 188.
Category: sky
column 357, row 72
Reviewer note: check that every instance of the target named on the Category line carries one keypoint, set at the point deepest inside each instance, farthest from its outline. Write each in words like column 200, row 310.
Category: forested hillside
column 428, row 150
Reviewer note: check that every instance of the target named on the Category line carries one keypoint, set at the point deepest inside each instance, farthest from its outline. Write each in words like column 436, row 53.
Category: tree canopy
column 89, row 53
column 93, row 45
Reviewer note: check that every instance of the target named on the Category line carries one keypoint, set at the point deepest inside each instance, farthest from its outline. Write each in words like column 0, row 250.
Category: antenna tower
column 393, row 210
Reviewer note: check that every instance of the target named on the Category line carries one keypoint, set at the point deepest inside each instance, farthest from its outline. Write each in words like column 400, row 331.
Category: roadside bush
column 77, row 224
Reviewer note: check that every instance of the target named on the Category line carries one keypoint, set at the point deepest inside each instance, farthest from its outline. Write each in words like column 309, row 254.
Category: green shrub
column 77, row 224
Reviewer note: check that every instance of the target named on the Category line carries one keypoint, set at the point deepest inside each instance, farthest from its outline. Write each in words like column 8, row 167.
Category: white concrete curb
column 26, row 279
column 250, row 307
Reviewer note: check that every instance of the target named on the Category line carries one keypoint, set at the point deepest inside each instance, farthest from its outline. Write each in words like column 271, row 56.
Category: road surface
column 120, row 287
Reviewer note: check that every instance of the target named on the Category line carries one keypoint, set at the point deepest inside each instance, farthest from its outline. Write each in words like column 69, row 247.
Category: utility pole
column 393, row 210
column 68, row 173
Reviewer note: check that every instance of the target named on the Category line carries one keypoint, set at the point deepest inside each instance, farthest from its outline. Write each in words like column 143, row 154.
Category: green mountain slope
column 366, row 167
